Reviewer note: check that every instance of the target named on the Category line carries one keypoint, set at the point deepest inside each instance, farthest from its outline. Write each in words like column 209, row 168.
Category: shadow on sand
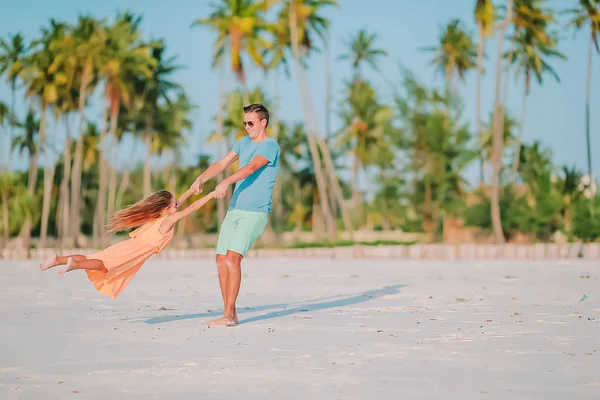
column 285, row 309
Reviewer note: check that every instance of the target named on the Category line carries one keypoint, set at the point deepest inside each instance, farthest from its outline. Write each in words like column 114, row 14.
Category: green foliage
column 585, row 225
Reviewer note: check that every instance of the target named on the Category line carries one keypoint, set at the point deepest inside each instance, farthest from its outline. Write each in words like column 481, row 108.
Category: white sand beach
column 309, row 329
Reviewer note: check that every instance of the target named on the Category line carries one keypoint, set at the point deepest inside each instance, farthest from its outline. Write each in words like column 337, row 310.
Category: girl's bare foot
column 71, row 264
column 52, row 261
column 223, row 321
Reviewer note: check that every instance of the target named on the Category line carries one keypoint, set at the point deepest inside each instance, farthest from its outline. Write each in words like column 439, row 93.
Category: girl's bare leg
column 90, row 265
column 55, row 260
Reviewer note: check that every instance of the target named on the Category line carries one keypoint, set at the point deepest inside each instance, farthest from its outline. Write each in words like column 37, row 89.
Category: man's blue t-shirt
column 254, row 193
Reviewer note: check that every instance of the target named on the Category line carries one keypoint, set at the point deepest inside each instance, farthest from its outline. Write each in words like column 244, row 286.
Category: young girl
column 111, row 269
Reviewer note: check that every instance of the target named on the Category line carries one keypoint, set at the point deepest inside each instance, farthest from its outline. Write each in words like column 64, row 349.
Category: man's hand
column 221, row 190
column 197, row 186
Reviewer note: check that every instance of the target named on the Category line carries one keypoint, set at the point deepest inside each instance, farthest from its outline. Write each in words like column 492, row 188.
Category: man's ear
column 263, row 122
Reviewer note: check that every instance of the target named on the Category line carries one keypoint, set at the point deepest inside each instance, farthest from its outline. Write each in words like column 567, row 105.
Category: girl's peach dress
column 124, row 259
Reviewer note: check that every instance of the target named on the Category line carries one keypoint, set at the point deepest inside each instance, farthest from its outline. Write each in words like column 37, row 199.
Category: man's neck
column 260, row 138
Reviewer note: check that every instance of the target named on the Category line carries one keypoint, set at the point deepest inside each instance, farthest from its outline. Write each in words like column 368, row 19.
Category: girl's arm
column 169, row 221
column 184, row 196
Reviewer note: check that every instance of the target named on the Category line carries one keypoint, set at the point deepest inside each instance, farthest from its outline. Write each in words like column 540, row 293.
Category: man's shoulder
column 271, row 142
column 243, row 140
column 240, row 144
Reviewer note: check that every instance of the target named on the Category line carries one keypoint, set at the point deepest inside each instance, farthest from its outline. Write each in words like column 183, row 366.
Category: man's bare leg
column 234, row 278
column 55, row 260
column 223, row 271
column 223, row 274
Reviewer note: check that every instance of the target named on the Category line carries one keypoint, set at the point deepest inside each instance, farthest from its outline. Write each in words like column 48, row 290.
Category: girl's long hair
column 141, row 212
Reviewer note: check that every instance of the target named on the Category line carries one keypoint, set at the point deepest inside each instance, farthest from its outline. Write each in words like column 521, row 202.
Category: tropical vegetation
column 413, row 149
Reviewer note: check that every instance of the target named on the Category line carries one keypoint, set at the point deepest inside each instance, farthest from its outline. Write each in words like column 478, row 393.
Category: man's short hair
column 259, row 109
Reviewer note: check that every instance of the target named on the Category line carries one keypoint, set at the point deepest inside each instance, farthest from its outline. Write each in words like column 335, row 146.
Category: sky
column 555, row 112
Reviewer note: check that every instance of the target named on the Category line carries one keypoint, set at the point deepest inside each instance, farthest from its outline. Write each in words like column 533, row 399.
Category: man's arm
column 170, row 220
column 254, row 165
column 214, row 170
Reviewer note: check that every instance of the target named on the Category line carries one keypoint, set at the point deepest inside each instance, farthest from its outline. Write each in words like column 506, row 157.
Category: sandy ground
column 309, row 329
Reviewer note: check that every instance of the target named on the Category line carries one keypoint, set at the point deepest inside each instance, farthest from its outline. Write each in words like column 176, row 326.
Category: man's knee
column 221, row 261
column 232, row 258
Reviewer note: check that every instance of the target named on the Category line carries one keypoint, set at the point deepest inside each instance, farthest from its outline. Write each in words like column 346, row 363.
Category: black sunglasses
column 249, row 123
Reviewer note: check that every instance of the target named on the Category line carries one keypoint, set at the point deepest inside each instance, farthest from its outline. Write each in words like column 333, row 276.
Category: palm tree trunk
column 568, row 220
column 147, row 174
column 46, row 202
column 497, row 148
column 297, row 199
column 64, row 192
column 5, row 216
column 123, row 185
column 336, row 188
column 33, row 166
column 355, row 191
column 449, row 78
column 478, row 102
column 429, row 220
column 327, row 89
column 587, row 119
column 101, row 205
column 32, row 179
column 515, row 165
column 220, row 202
column 11, row 121
column 385, row 222
column 76, row 172
column 112, row 192
column 317, row 218
column 49, row 171
column 305, row 95
column 66, row 203
column 277, row 193
column 498, row 129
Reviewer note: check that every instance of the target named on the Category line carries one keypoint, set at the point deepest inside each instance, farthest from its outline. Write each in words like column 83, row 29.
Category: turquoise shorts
column 240, row 229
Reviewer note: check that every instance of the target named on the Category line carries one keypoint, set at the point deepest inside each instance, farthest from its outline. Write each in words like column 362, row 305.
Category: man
column 250, row 205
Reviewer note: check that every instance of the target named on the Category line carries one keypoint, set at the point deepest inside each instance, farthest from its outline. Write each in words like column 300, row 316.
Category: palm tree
column 239, row 25
column 366, row 124
column 29, row 138
column 156, row 88
column 456, row 53
column 4, row 114
column 89, row 42
column 126, row 60
column 498, row 133
column 569, row 189
column 172, row 120
column 361, row 50
column 437, row 148
column 531, row 56
column 43, row 83
column 485, row 16
column 8, row 186
column 12, row 53
column 303, row 18
column 588, row 14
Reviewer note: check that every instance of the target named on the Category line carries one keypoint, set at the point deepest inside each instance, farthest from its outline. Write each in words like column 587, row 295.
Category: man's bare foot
column 223, row 321
column 52, row 261
column 71, row 265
